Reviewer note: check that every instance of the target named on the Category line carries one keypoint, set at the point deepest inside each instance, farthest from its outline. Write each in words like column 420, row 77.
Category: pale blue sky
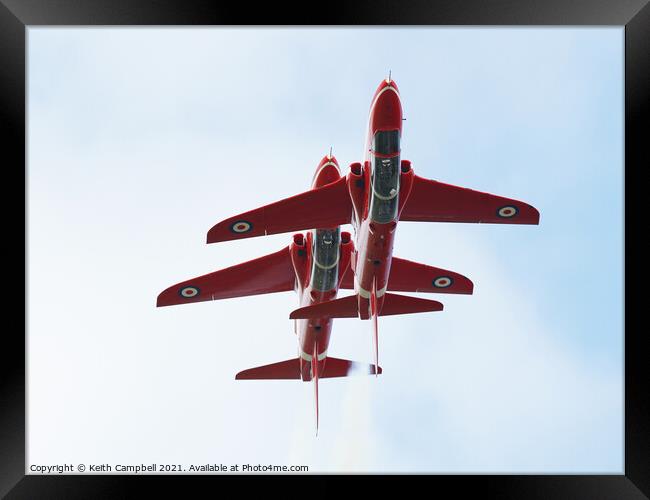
column 141, row 139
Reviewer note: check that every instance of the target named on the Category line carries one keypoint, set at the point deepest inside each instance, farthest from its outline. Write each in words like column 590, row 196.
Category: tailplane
column 375, row 327
column 290, row 369
column 314, row 377
column 348, row 307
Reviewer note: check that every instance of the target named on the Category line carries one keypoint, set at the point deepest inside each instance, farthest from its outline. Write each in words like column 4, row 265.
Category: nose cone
column 386, row 108
column 386, row 83
column 327, row 172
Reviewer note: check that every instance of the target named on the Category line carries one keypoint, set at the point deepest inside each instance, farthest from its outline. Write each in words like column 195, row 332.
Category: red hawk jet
column 314, row 265
column 373, row 197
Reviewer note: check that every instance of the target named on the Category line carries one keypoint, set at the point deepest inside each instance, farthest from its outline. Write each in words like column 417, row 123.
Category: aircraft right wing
column 408, row 276
column 328, row 206
column 268, row 274
column 433, row 201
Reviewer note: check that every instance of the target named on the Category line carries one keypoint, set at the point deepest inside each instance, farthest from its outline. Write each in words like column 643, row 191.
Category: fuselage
column 376, row 221
column 318, row 277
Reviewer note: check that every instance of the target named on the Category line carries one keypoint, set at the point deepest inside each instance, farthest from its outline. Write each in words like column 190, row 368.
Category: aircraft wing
column 328, row 206
column 408, row 276
column 433, row 201
column 268, row 274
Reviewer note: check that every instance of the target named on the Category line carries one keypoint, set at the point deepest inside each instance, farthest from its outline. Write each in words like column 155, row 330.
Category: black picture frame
column 17, row 15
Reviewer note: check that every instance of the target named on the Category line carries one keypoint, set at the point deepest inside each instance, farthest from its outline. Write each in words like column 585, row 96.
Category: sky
column 140, row 139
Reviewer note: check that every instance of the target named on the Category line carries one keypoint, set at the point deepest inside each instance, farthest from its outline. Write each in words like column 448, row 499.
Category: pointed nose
column 386, row 108
column 327, row 172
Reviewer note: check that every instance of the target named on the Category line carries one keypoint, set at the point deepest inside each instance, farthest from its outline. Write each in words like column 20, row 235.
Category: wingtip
column 465, row 285
column 216, row 233
column 534, row 220
column 534, row 215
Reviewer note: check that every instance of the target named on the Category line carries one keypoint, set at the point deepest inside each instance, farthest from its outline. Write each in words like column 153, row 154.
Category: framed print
column 499, row 356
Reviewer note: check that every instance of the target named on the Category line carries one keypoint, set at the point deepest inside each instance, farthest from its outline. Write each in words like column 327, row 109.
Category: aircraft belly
column 313, row 332
column 374, row 262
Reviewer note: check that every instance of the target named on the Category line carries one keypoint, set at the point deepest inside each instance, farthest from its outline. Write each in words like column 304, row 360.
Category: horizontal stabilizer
column 324, row 207
column 404, row 304
column 348, row 307
column 409, row 276
column 289, row 369
column 345, row 307
column 433, row 201
column 335, row 367
column 268, row 274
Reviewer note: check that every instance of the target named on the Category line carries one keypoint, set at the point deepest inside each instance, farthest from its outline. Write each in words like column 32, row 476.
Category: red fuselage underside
column 374, row 241
column 314, row 334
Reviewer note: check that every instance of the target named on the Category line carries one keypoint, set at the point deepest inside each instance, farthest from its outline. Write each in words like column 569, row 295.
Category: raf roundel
column 507, row 211
column 442, row 282
column 189, row 291
column 241, row 226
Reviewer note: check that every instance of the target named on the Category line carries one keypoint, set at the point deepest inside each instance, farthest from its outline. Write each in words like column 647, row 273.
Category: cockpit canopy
column 385, row 176
column 325, row 253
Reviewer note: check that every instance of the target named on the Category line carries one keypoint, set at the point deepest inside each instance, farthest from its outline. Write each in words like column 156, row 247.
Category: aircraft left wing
column 328, row 206
column 433, row 201
column 268, row 274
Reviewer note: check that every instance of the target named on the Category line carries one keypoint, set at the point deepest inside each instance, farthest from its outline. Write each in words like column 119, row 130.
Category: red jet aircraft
column 314, row 265
column 373, row 197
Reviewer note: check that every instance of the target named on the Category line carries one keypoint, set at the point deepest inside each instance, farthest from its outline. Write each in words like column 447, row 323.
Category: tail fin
column 314, row 376
column 348, row 307
column 375, row 326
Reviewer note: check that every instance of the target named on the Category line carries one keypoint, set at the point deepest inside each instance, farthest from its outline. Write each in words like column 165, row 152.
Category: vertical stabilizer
column 375, row 327
column 314, row 369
